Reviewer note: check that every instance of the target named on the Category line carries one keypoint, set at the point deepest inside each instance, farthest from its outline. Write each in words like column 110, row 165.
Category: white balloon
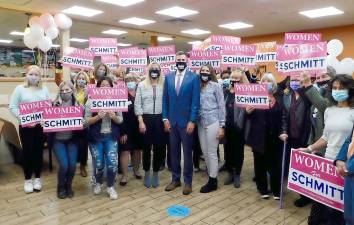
column 332, row 61
column 36, row 31
column 62, row 21
column 45, row 43
column 68, row 23
column 52, row 32
column 346, row 66
column 334, row 47
column 29, row 41
column 46, row 20
column 34, row 20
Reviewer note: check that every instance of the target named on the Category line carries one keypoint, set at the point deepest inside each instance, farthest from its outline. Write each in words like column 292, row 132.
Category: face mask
column 340, row 95
column 233, row 82
column 205, row 77
column 66, row 96
column 181, row 66
column 295, row 85
column 81, row 83
column 154, row 73
column 131, row 85
column 323, row 84
column 226, row 83
column 270, row 87
column 100, row 73
column 33, row 80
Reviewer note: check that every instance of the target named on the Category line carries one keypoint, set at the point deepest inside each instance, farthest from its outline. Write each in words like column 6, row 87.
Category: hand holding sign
column 341, row 168
column 305, row 80
column 101, row 114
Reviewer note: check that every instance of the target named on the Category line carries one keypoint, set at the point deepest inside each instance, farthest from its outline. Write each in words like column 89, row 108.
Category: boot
column 237, row 181
column 155, row 179
column 147, row 180
column 229, row 179
column 69, row 190
column 61, row 192
column 212, row 185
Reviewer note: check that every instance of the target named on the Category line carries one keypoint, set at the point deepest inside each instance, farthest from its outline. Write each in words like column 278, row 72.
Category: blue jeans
column 104, row 153
column 349, row 200
column 66, row 153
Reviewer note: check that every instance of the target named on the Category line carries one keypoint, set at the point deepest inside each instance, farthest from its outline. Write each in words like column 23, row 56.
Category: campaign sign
column 133, row 58
column 163, row 55
column 103, row 46
column 316, row 178
column 31, row 113
column 302, row 38
column 109, row 99
column 238, row 55
column 199, row 58
column 62, row 118
column 78, row 58
column 110, row 60
column 266, row 53
column 255, row 95
column 216, row 42
column 293, row 59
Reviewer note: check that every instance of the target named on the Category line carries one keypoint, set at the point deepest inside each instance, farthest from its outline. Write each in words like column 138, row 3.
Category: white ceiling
column 267, row 16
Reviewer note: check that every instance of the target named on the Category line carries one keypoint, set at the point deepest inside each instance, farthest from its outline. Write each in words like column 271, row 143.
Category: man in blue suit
column 180, row 111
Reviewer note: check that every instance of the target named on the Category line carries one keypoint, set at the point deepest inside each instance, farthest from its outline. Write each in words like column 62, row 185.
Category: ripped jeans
column 104, row 153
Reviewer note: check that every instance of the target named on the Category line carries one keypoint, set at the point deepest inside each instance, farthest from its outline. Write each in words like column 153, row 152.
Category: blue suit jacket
column 342, row 156
column 184, row 107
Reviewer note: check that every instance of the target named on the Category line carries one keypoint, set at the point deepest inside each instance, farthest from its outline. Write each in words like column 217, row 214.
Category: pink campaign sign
column 103, row 46
column 316, row 178
column 238, row 55
column 255, row 95
column 302, row 38
column 164, row 55
column 109, row 99
column 63, row 118
column 293, row 59
column 216, row 42
column 31, row 113
column 110, row 60
column 133, row 58
column 78, row 58
column 198, row 58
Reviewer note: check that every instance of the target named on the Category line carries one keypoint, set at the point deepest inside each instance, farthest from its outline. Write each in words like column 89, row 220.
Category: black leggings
column 82, row 151
column 32, row 140
column 234, row 149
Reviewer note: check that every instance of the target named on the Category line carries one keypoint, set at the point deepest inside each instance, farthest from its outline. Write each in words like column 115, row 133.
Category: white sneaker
column 112, row 193
column 97, row 189
column 28, row 186
column 37, row 184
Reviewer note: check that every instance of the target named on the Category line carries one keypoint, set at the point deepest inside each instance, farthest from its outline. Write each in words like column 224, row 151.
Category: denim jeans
column 66, row 153
column 104, row 153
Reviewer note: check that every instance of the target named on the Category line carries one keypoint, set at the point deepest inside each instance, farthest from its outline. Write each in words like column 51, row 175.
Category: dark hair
column 102, row 79
column 181, row 53
column 346, row 82
column 212, row 72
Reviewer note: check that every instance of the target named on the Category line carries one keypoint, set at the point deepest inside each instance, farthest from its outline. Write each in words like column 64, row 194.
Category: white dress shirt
column 182, row 77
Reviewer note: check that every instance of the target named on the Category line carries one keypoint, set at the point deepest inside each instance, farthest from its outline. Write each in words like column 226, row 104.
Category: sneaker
column 123, row 181
column 265, row 196
column 37, row 184
column 237, row 181
column 155, row 180
column 28, row 186
column 97, row 189
column 147, row 179
column 276, row 197
column 112, row 193
column 137, row 174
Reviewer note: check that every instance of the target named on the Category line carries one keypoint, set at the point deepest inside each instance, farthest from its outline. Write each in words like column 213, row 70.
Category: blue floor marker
column 178, row 211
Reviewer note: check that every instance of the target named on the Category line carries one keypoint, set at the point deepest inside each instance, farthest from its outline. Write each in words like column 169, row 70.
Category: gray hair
column 270, row 77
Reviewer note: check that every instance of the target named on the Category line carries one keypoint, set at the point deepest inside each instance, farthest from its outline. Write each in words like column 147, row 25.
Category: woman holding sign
column 101, row 70
column 31, row 136
column 211, row 123
column 103, row 134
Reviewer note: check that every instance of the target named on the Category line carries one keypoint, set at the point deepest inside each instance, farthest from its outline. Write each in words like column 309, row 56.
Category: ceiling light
column 137, row 21
column 123, row 3
column 327, row 11
column 164, row 38
column 114, row 32
column 177, row 12
column 17, row 33
column 6, row 41
column 195, row 31
column 236, row 25
column 78, row 40
column 123, row 44
column 195, row 42
column 82, row 11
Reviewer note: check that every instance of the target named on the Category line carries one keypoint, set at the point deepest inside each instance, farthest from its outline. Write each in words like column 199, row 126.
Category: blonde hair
column 30, row 68
column 147, row 81
column 58, row 100
column 270, row 77
column 130, row 77
column 239, row 73
column 86, row 76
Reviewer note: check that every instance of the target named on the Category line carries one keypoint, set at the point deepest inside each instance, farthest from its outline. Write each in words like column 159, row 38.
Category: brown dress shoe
column 187, row 189
column 173, row 185
column 83, row 171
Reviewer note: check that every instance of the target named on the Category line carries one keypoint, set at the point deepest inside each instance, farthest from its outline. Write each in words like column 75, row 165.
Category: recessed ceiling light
column 55, row 46
column 236, row 25
column 6, row 41
column 137, row 21
column 78, row 40
column 17, row 33
column 195, row 42
column 177, row 12
column 123, row 3
column 327, row 11
column 124, row 44
column 82, row 11
column 114, row 32
column 164, row 38
column 195, row 31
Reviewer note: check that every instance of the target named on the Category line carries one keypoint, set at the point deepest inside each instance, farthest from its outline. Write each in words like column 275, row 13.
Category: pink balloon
column 46, row 20
column 34, row 20
column 60, row 20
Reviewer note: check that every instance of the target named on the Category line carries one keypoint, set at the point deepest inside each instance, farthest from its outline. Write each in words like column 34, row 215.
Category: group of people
column 185, row 111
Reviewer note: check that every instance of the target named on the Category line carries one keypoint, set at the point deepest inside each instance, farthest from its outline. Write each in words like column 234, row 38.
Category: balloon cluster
column 44, row 29
column 334, row 49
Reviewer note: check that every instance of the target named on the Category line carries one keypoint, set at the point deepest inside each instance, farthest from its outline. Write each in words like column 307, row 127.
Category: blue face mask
column 294, row 85
column 340, row 95
column 226, row 83
column 131, row 85
column 270, row 87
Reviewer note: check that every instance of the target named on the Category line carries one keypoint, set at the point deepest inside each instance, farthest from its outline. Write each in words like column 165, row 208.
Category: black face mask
column 205, row 77
column 233, row 82
column 323, row 84
column 181, row 66
column 154, row 73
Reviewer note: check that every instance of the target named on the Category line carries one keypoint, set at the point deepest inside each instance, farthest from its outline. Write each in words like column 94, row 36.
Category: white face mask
column 33, row 79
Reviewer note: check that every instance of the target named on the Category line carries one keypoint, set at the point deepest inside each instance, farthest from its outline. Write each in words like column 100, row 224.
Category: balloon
column 46, row 20
column 36, row 31
column 34, row 20
column 332, row 61
column 29, row 41
column 334, row 47
column 68, row 23
column 62, row 21
column 346, row 66
column 45, row 43
column 52, row 32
